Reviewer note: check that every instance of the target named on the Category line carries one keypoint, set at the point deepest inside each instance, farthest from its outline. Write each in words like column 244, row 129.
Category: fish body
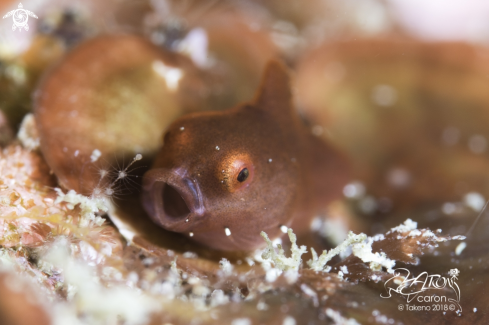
column 223, row 177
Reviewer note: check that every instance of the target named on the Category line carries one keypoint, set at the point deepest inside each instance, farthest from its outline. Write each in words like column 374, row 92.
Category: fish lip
column 153, row 183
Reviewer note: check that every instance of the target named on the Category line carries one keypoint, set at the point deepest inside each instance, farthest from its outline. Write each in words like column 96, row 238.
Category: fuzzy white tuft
column 28, row 134
column 279, row 259
column 319, row 263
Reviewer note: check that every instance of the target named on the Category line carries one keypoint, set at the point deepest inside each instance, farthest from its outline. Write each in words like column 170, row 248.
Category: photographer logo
column 20, row 16
column 425, row 292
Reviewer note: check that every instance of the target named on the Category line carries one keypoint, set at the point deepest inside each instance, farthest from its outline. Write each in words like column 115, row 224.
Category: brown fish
column 223, row 177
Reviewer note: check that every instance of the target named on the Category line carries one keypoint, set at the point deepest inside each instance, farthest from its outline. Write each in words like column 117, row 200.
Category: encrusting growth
column 361, row 245
column 319, row 264
column 279, row 259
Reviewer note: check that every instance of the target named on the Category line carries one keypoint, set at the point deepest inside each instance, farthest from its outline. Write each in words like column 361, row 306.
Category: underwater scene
column 244, row 162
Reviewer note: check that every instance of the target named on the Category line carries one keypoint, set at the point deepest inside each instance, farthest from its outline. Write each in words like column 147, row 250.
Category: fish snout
column 172, row 199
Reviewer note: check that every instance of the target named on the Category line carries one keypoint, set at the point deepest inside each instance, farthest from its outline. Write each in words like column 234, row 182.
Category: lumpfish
column 223, row 177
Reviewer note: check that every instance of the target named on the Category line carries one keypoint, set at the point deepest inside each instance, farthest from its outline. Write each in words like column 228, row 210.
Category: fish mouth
column 172, row 199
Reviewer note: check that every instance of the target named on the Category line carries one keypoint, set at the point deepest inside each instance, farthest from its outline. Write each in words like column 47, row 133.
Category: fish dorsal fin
column 274, row 94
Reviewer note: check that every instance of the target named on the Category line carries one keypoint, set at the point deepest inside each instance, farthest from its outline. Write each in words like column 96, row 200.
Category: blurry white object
column 465, row 20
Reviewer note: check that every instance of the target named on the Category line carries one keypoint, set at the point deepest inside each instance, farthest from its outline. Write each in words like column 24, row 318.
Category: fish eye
column 235, row 172
column 243, row 175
